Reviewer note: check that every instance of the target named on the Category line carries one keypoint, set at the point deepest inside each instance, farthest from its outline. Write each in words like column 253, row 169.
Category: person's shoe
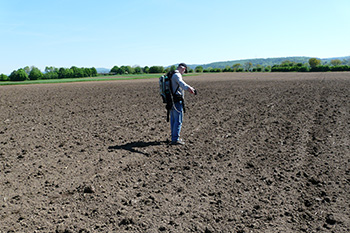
column 178, row 142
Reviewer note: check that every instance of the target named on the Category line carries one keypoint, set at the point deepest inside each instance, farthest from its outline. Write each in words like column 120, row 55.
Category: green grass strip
column 93, row 79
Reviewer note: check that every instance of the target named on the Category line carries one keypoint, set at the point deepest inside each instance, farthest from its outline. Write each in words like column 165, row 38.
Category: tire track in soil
column 316, row 203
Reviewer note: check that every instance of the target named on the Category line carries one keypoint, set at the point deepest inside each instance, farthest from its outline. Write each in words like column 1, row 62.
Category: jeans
column 176, row 116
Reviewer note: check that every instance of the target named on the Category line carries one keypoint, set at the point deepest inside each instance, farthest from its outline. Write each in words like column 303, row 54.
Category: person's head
column 182, row 67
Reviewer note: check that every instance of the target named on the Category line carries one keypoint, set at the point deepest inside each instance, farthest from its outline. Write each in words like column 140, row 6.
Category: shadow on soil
column 132, row 146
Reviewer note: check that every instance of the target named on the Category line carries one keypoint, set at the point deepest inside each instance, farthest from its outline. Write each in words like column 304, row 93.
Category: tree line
column 34, row 73
column 313, row 65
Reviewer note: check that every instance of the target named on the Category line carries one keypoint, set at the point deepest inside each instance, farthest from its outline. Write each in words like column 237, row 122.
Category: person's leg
column 176, row 117
column 172, row 123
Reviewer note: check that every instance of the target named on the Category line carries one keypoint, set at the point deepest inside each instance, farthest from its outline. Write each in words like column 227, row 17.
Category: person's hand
column 192, row 90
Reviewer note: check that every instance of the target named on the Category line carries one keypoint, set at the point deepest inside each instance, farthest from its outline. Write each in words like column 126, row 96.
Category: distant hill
column 332, row 58
column 264, row 61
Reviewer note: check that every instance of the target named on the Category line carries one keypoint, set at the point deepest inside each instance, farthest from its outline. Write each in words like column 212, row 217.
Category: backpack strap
column 172, row 96
column 171, row 73
column 170, row 105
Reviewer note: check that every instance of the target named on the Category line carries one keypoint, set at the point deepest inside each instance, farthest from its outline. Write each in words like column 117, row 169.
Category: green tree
column 146, row 70
column 287, row 63
column 35, row 74
column 4, row 77
column 77, row 72
column 267, row 69
column 303, row 69
column 65, row 73
column 129, row 70
column 27, row 70
column 138, row 70
column 173, row 68
column 215, row 70
column 87, row 72
column 313, row 62
column 49, row 69
column 156, row 69
column 199, row 69
column 51, row 75
column 207, row 70
column 19, row 75
column 336, row 62
column 248, row 66
column 227, row 69
column 93, row 72
column 121, row 70
column 114, row 69
column 236, row 66
column 62, row 73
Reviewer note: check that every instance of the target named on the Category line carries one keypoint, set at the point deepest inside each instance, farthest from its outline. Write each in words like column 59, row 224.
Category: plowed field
column 264, row 153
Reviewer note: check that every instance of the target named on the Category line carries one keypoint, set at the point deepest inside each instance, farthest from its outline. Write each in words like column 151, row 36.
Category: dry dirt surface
column 264, row 153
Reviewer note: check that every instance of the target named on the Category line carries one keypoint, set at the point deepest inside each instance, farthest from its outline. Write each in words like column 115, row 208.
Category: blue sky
column 104, row 33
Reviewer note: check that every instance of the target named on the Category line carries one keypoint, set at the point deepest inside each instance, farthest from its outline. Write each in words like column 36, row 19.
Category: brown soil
column 264, row 153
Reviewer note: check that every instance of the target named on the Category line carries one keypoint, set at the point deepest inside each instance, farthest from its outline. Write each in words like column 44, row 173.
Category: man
column 176, row 113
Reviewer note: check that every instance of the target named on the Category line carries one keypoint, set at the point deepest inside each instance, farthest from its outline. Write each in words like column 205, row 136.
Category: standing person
column 176, row 113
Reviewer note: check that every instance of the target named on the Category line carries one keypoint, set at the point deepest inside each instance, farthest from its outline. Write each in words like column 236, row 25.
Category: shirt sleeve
column 180, row 82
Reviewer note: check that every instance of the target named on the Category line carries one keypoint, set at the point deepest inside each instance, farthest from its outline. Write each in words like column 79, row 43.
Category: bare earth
column 264, row 153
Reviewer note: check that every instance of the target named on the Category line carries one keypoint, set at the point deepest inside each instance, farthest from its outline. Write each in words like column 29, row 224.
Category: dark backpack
column 165, row 90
